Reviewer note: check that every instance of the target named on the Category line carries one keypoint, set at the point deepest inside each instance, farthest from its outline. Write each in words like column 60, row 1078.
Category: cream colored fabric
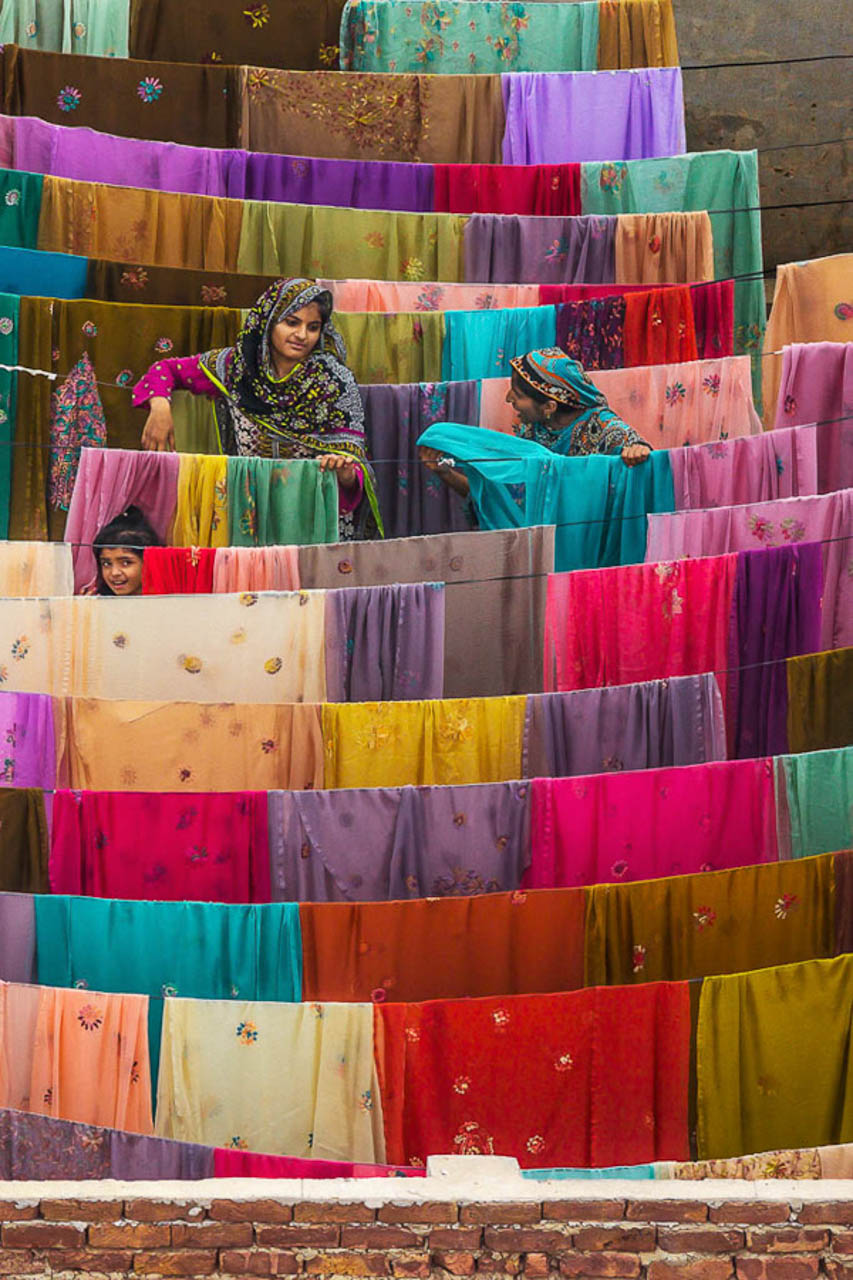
column 288, row 1079
column 36, row 569
column 36, row 645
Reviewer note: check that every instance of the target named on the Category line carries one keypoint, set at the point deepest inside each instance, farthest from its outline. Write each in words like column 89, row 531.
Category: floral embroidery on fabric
column 675, row 393
column 760, row 528
column 272, row 666
column 790, row 405
column 69, row 98
column 429, row 298
column 672, row 605
column 375, row 239
column 704, row 918
column 247, row 1033
column 90, row 329
column 163, row 346
column 257, row 15
column 535, row 1144
column 844, row 311
column 7, row 324
column 412, row 269
column 500, row 1018
column 190, row 663
column 461, row 1084
column 78, row 30
column 365, row 1102
column 20, row 648
column 76, row 421
column 31, row 30
column 134, row 278
column 90, row 1018
column 792, row 530
column 472, row 1140
column 123, row 377
column 213, row 293
column 612, row 176
column 412, row 1035
column 120, row 640
column 565, row 1062
column 638, row 958
column 238, row 1144
column 13, row 196
column 783, row 906
column 149, row 89
column 558, row 250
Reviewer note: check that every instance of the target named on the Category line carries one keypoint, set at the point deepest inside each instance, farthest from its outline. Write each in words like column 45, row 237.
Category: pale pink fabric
column 776, row 464
column 638, row 622
column 256, row 569
column 382, row 295
column 825, row 518
column 616, row 827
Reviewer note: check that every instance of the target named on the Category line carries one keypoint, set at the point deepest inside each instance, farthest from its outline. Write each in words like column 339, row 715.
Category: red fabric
column 551, row 295
column 508, row 188
column 168, row 571
column 250, row 1164
column 164, row 847
column 659, row 327
column 714, row 317
column 604, row 1081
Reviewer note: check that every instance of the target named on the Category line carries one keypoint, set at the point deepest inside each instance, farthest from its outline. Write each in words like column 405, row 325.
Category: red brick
column 496, row 1215
column 296, row 1236
column 700, row 1239
column 456, row 1237
column 525, row 1239
column 129, row 1235
column 749, row 1211
column 787, row 1239
column 695, row 1269
column 624, row 1237
column 347, row 1264
column 213, row 1235
column 158, row 1211
column 42, row 1235
column 842, row 1242
column 183, row 1262
column 12, row 1212
column 86, row 1260
column 454, row 1261
column 836, row 1270
column 81, row 1210
column 537, row 1264
column 411, row 1264
column 251, row 1211
column 379, row 1238
column 666, row 1211
column 250, row 1262
column 777, row 1268
column 433, row 1211
column 495, row 1264
column 599, row 1264
column 18, row 1262
column 323, row 1212
column 831, row 1211
column 584, row 1210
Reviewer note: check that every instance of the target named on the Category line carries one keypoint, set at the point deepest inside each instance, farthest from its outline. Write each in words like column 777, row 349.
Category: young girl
column 118, row 553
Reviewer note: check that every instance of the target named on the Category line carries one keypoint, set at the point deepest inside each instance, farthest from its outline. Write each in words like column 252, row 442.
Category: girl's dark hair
column 526, row 390
column 132, row 530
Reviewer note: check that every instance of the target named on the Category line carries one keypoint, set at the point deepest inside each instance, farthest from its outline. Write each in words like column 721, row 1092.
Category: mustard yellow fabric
column 393, row 348
column 201, row 516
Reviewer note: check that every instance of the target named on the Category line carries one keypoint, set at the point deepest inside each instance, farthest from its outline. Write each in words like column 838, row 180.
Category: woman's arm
column 452, row 476
column 154, row 388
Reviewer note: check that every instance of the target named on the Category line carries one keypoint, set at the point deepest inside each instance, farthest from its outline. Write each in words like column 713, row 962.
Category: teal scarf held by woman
column 597, row 503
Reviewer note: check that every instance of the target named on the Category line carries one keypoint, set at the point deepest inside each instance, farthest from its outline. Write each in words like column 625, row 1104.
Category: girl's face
column 296, row 336
column 528, row 409
column 121, row 570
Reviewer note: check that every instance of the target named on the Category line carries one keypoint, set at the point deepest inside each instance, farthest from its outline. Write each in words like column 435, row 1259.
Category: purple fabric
column 385, row 644
column 817, row 386
column 17, row 938
column 27, row 740
column 631, row 726
column 553, row 117
column 412, row 500
column 507, row 248
column 136, row 1158
column 592, row 331
column 726, row 473
column 775, row 615
column 393, row 843
column 358, row 184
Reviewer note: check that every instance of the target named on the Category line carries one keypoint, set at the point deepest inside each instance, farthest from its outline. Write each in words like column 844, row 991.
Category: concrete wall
column 777, row 106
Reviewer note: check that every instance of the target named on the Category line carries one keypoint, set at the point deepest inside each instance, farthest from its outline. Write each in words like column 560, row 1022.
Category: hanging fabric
column 592, row 332
column 820, row 700
column 177, row 570
column 280, row 502
column 28, row 739
column 393, row 348
column 674, row 248
column 480, row 344
column 256, row 569
column 36, row 569
column 815, row 792
column 76, row 422
column 659, row 327
column 508, row 188
column 23, row 852
column 504, row 247
column 384, row 643
column 9, row 342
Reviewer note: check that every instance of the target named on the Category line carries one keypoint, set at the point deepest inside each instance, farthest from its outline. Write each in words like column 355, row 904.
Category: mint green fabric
column 20, row 208
column 815, row 801
column 284, row 503
column 723, row 182
column 9, row 308
column 67, row 26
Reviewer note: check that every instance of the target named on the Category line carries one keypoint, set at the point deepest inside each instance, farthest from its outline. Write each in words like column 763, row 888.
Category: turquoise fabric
column 20, row 208
column 469, row 36
column 42, row 275
column 630, row 1172
column 207, row 950
column 723, row 182
column 815, row 801
column 9, row 310
column 598, row 504
column 67, row 26
column 480, row 344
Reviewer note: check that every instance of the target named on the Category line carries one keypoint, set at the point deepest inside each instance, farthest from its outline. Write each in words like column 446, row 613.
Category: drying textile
column 504, row 247
column 23, row 849
column 97, row 27
column 494, row 592
column 76, row 421
column 592, row 332
column 606, row 1077
column 776, row 613
column 637, row 33
column 29, row 271
column 489, row 944
column 9, row 346
column 171, row 286
column 551, row 119
column 820, row 700
column 507, row 188
column 295, row 1080
column 659, row 248
column 285, row 502
column 400, row 744
column 760, row 1083
column 480, row 344
column 657, row 822
column 412, row 499
column 384, row 643
column 659, row 327
column 816, row 801
column 727, row 473
column 191, row 746
column 394, row 36
column 638, row 622
column 35, row 569
column 21, row 209
column 400, row 295
column 392, row 348
column 817, row 386
column 805, row 1162
column 17, row 937
column 410, row 842
column 229, row 1163
column 177, row 570
column 256, row 569
column 36, row 635
column 716, row 922
column 636, row 726
column 201, row 511
column 165, row 847
column 28, row 740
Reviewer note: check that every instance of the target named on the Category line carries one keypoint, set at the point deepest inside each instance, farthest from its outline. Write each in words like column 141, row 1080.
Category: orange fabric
column 443, row 948
column 659, row 327
column 636, row 33
column 663, row 248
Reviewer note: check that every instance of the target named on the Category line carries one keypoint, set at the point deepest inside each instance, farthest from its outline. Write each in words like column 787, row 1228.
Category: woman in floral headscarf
column 282, row 391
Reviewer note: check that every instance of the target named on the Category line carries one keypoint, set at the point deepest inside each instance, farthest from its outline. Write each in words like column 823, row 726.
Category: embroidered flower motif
column 783, row 906
column 619, row 868
column 711, row 384
column 90, row 329
column 704, row 918
column 134, row 278
column 68, row 98
column 163, row 346
column 247, row 1032
column 412, row 1035
column 47, row 1096
column 185, row 774
column 20, row 648
column 638, row 958
column 120, row 640
column 844, row 311
column 789, row 405
column 536, row 1144
column 327, row 54
column 190, row 663
column 412, row 269
column 461, row 1084
column 123, row 377
column 6, row 325
column 31, row 30
column 211, row 294
column 500, row 1018
column 272, row 666
column 375, row 239
column 558, row 250
column 472, row 1140
column 654, row 244
column 81, row 985
column 90, row 1017
column 238, row 1144
column 518, row 898
column 792, row 530
column 675, row 393
column 365, row 1102
column 134, row 1071
column 429, row 298
column 257, row 15
column 13, row 196
column 267, row 745
column 672, row 605
column 565, row 1062
column 149, row 89
column 760, row 528
column 248, row 598
column 455, row 730
column 78, row 30
column 612, row 764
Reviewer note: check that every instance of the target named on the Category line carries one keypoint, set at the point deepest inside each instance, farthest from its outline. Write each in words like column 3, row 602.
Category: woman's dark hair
column 132, row 530
column 525, row 389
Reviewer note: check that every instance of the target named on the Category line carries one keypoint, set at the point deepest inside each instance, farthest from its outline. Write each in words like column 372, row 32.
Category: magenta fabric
column 108, row 481
column 817, row 386
column 615, row 827
column 508, row 188
column 251, row 1164
column 201, row 847
column 28, row 740
column 725, row 473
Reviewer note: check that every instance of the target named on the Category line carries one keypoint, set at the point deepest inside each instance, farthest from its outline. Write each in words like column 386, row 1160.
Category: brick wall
column 643, row 1239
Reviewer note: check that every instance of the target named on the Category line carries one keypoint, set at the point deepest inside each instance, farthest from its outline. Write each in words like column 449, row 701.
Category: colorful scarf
column 596, row 429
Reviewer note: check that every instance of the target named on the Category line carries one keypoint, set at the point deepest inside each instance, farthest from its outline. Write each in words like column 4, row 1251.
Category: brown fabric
column 133, row 224
column 373, row 116
column 843, row 902
column 495, row 589
column 664, row 248
column 28, row 510
column 172, row 286
column 23, row 842
column 636, row 33
column 298, row 33
column 820, row 701
column 443, row 948
column 198, row 106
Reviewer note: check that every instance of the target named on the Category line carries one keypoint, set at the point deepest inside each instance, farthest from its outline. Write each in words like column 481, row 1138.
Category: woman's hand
column 158, row 434
column 344, row 467
column 434, row 460
column 633, row 454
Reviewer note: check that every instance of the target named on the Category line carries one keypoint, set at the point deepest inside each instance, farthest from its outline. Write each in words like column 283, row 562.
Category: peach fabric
column 664, row 248
column 256, row 569
column 392, row 295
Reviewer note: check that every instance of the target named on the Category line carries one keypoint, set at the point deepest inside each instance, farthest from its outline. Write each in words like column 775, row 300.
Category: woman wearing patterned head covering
column 282, row 391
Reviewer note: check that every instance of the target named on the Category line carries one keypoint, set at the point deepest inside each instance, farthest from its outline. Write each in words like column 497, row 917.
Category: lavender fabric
column 385, row 643
column 555, row 117
column 775, row 615
column 650, row 725
column 412, row 500
column 513, row 249
column 27, row 740
column 393, row 843
column 762, row 468
column 357, row 184
column 17, row 938
column 592, row 331
column 136, row 1158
